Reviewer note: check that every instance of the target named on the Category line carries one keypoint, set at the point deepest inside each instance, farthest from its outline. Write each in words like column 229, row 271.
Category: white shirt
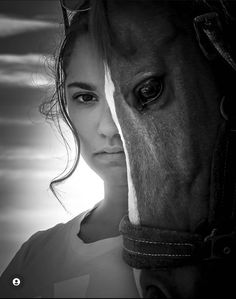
column 57, row 263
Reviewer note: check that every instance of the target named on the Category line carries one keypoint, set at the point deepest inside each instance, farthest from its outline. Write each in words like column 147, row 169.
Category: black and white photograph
column 117, row 149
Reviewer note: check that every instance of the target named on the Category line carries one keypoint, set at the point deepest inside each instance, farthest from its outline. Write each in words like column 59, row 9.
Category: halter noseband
column 152, row 248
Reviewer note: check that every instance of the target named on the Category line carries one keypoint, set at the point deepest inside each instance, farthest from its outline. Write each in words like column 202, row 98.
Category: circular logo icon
column 16, row 281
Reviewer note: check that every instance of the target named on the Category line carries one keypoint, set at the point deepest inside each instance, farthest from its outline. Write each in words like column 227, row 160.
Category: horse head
column 167, row 80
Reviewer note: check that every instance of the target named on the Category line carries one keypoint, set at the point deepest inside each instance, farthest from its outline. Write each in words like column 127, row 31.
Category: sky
column 31, row 151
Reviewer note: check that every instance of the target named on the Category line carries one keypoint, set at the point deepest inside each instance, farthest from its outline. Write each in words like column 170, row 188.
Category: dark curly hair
column 55, row 108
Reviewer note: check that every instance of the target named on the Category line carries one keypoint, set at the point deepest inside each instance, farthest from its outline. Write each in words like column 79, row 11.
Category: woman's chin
column 114, row 176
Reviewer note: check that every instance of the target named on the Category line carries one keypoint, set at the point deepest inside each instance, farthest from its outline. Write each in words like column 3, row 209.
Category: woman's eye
column 84, row 98
column 148, row 91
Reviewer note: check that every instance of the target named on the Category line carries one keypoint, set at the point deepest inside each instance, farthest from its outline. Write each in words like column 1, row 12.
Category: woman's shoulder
column 40, row 254
column 44, row 242
column 58, row 234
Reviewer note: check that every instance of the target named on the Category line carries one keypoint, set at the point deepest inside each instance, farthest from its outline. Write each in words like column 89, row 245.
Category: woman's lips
column 110, row 150
column 109, row 157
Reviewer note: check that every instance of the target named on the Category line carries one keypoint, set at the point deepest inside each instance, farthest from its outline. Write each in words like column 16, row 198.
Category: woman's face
column 101, row 145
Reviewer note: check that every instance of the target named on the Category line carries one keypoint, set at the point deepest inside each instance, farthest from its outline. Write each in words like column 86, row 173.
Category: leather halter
column 147, row 247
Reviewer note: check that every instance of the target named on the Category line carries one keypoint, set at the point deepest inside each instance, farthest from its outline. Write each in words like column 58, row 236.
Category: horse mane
column 101, row 29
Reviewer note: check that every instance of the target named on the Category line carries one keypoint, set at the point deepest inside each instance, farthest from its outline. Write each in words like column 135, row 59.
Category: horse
column 169, row 83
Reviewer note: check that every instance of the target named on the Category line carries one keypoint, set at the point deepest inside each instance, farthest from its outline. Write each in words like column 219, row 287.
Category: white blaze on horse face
column 132, row 198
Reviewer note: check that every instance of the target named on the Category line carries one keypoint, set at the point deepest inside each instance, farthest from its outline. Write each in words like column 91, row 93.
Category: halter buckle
column 218, row 246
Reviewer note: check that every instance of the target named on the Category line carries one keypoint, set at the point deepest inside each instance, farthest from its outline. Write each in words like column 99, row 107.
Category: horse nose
column 154, row 292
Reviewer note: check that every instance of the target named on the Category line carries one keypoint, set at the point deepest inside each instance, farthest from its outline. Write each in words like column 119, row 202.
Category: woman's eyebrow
column 83, row 85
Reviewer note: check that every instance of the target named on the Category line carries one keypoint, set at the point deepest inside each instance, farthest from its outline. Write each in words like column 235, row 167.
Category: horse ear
column 211, row 38
column 201, row 25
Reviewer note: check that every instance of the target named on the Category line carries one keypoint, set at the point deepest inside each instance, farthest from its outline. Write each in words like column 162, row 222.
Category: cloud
column 28, row 153
column 24, row 79
column 7, row 121
column 32, row 70
column 19, row 174
column 28, row 59
column 11, row 25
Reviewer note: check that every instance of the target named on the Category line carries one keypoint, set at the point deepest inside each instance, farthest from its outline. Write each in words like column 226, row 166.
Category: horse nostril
column 154, row 292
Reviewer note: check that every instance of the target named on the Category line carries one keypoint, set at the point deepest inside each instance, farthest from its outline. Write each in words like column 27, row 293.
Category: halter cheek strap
column 152, row 248
column 222, row 206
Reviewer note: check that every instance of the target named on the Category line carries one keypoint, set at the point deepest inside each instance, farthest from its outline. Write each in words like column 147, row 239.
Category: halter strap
column 222, row 206
column 151, row 248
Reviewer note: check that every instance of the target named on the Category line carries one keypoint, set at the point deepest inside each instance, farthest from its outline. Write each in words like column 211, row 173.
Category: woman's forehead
column 85, row 59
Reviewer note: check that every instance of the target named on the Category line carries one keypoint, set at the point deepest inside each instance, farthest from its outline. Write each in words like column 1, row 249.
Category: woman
column 81, row 258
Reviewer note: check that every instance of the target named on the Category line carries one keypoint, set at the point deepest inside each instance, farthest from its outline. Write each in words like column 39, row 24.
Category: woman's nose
column 106, row 126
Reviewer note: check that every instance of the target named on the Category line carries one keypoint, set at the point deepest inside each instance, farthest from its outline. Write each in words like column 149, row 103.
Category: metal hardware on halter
column 220, row 246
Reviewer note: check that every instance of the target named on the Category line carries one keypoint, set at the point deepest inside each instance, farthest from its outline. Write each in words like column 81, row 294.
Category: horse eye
column 149, row 91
